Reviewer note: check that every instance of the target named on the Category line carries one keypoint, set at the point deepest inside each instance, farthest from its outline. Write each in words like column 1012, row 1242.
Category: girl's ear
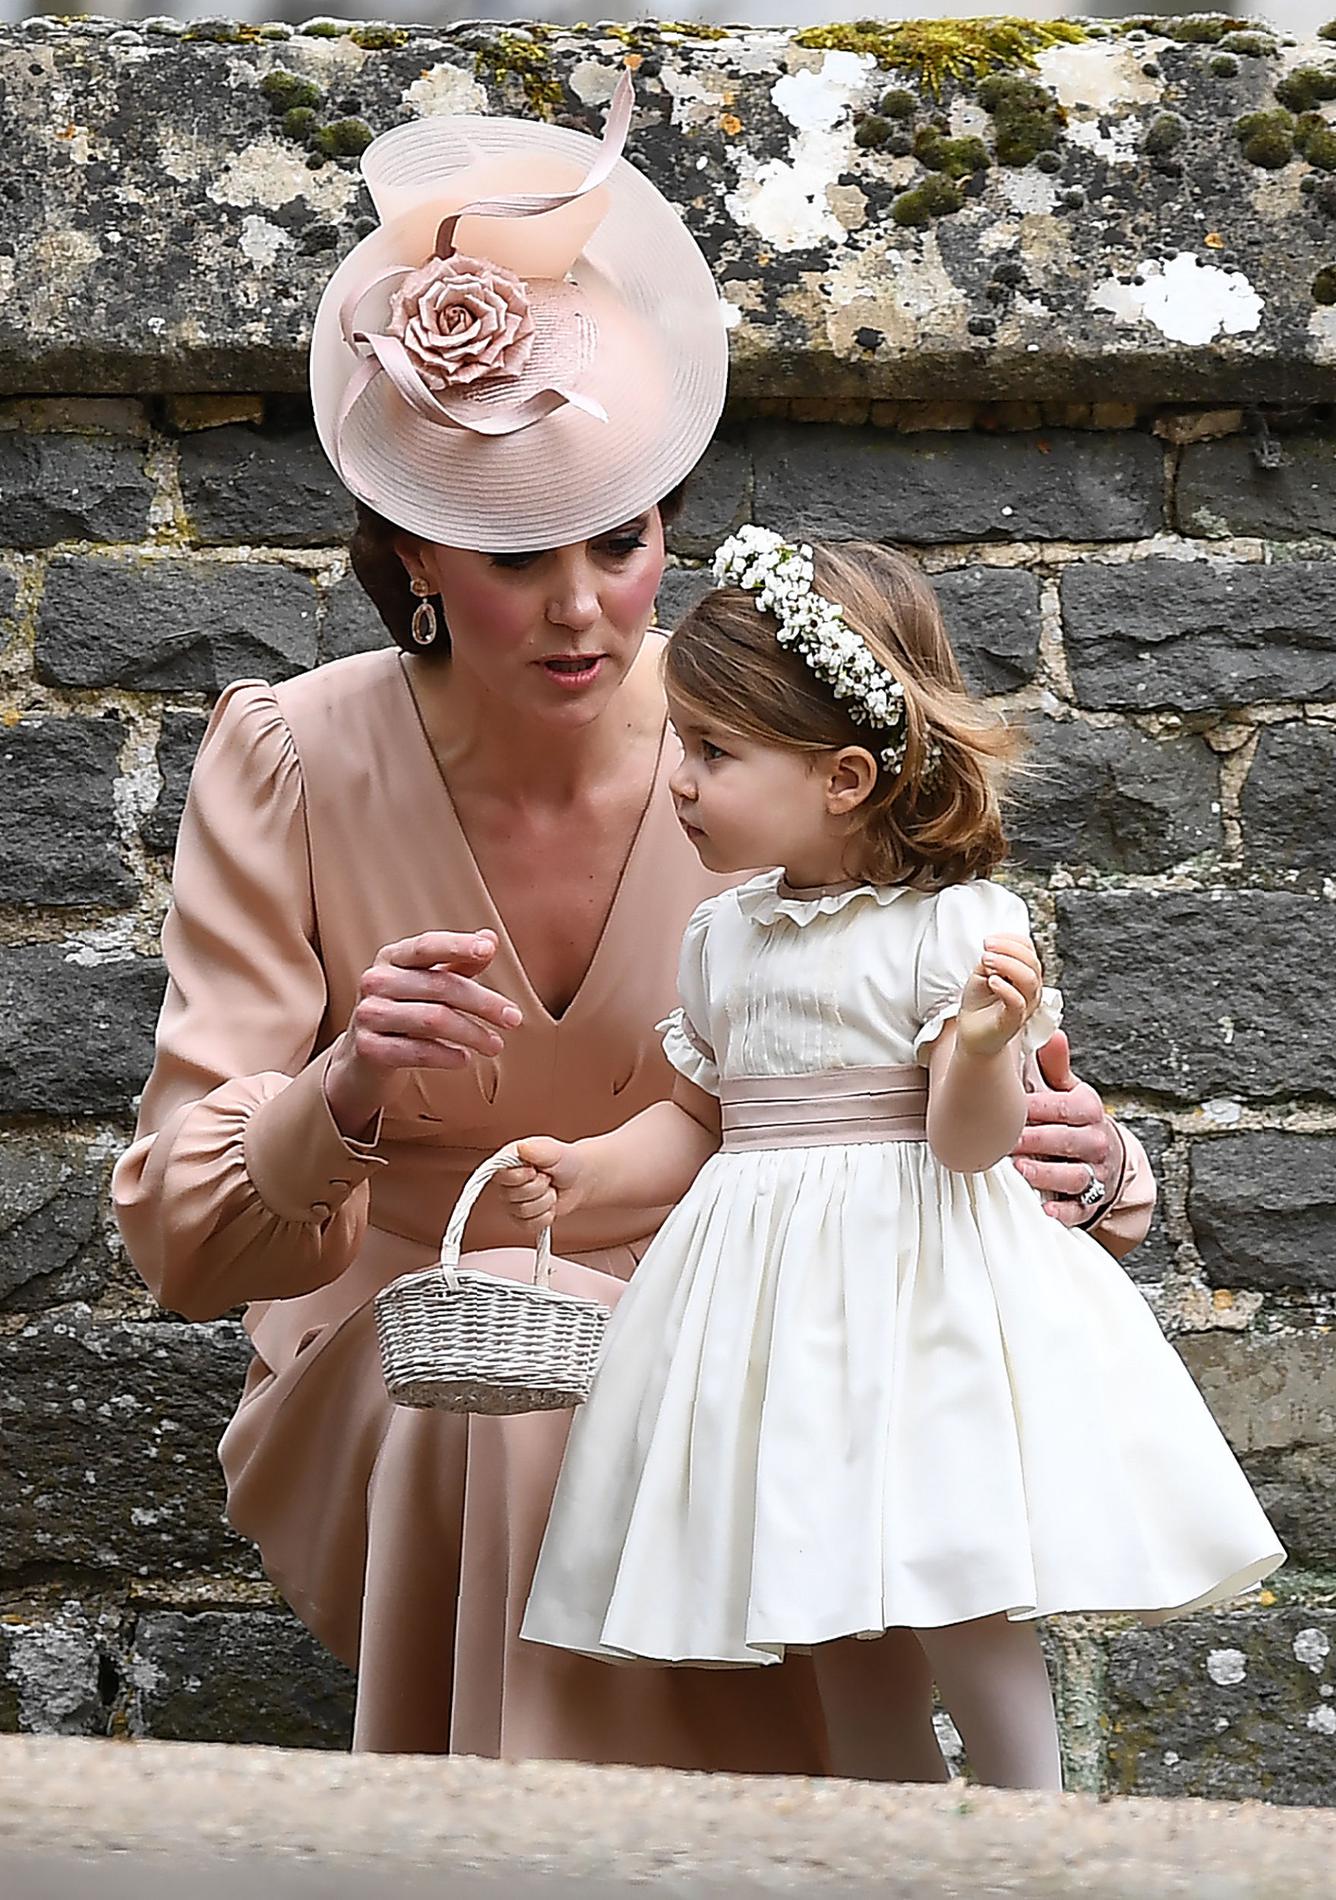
column 850, row 777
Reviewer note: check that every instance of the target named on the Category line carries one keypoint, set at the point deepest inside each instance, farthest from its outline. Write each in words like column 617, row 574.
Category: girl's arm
column 649, row 1161
column 976, row 1102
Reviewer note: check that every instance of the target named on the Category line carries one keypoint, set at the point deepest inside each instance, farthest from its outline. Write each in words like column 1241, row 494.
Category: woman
column 427, row 898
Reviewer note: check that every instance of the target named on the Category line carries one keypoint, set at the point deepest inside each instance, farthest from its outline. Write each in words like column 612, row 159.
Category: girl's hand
column 1002, row 994
column 418, row 1007
column 552, row 1182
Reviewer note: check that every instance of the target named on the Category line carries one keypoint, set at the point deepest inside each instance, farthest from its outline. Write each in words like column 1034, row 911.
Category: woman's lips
column 573, row 670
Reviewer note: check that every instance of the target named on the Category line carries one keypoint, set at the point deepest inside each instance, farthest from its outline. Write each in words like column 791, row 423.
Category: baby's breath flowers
column 780, row 573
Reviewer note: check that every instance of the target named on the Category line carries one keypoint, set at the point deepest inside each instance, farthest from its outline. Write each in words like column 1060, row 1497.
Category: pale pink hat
column 530, row 350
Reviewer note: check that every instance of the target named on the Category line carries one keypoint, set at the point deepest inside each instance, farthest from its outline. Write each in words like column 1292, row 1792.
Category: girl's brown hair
column 935, row 822
column 384, row 578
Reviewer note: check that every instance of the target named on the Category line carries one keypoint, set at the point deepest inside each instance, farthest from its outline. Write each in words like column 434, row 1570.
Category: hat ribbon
column 387, row 353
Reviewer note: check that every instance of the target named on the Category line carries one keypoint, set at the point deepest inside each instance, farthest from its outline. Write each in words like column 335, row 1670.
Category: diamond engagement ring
column 1094, row 1190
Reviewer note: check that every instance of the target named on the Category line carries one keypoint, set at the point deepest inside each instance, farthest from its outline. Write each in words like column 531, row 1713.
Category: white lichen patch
column 272, row 172
column 1186, row 301
column 111, row 942
column 1322, row 1719
column 730, row 314
column 1029, row 192
column 785, row 201
column 1221, row 1112
column 593, row 81
column 1312, row 1647
column 1097, row 75
column 446, row 88
column 1322, row 330
column 698, row 97
column 1115, row 142
column 1226, row 1667
column 261, row 241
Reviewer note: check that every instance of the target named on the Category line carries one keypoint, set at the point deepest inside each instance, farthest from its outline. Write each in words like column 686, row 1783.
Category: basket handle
column 472, row 1188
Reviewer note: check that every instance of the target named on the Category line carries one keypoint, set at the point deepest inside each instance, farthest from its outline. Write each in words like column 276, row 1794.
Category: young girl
column 860, row 1382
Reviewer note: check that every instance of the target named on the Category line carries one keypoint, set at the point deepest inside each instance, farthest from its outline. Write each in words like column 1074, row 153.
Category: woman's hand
column 549, row 1185
column 1000, row 997
column 418, row 1007
column 1068, row 1141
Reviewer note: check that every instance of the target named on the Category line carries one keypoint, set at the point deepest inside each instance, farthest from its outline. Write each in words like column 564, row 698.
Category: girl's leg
column 992, row 1678
column 877, row 1701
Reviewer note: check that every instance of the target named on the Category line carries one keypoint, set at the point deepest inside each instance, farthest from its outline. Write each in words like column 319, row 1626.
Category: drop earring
column 425, row 628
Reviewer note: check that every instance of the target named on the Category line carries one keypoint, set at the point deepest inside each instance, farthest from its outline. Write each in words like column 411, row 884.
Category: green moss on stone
column 300, row 122
column 1224, row 66
column 957, row 158
column 325, row 29
column 1327, row 32
column 1315, row 139
column 378, row 38
column 936, row 197
column 898, row 104
column 1267, row 138
column 936, row 51
column 694, row 30
column 214, row 32
column 1324, row 285
column 1306, row 87
column 285, row 90
column 1027, row 118
column 1196, row 29
column 522, row 58
column 1250, row 45
column 342, row 138
column 1166, row 131
column 873, row 132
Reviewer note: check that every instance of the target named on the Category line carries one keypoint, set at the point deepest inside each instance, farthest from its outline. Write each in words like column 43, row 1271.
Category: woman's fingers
column 426, row 1023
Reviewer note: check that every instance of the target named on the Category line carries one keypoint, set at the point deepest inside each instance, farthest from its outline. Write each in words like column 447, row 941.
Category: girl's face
column 748, row 806
column 551, row 633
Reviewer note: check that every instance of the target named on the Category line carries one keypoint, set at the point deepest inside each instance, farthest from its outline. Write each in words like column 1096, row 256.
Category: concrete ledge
column 920, row 211
column 550, row 1822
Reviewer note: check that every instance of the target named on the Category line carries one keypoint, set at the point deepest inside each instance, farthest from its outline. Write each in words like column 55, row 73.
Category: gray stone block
column 1274, row 1397
column 829, row 483
column 111, row 1431
column 9, row 593
column 71, row 488
column 1199, row 635
column 1288, row 805
column 1177, row 991
column 1154, row 1258
column 51, row 1207
column 273, row 486
column 1114, row 799
column 715, row 498
column 1263, row 1209
column 179, row 739
column 1222, row 489
column 350, row 624
column 681, row 588
column 78, row 1036
column 1233, row 1708
column 992, row 616
column 173, row 624
column 52, row 1672
column 57, row 817
column 252, row 1676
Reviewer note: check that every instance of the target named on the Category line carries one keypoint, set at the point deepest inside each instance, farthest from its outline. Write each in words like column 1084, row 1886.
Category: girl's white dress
column 849, row 1390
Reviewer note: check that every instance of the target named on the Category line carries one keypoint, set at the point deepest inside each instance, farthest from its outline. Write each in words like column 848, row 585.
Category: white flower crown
column 779, row 573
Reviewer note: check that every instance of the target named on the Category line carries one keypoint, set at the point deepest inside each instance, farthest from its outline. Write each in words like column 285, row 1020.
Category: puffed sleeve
column 685, row 1040
column 962, row 916
column 239, row 1185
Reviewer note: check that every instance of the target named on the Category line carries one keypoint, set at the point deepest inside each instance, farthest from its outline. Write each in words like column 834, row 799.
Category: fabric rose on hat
column 461, row 319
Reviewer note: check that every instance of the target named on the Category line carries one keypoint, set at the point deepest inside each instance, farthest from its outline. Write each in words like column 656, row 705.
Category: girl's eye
column 710, row 752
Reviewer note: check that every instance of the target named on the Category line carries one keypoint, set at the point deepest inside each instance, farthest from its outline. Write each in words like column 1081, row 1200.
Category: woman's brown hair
column 384, row 578
column 937, row 820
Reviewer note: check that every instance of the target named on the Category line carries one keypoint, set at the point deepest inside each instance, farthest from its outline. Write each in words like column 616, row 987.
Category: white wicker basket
column 473, row 1342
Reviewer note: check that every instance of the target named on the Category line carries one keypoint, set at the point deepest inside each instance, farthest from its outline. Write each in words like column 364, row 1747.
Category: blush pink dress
column 318, row 828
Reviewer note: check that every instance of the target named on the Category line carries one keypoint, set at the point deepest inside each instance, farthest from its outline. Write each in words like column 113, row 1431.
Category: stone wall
column 1135, row 538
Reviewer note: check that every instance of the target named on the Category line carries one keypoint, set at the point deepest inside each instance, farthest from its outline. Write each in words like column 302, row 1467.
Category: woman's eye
column 623, row 545
column 513, row 561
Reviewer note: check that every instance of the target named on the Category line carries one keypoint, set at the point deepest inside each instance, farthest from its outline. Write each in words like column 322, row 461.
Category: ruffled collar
column 768, row 897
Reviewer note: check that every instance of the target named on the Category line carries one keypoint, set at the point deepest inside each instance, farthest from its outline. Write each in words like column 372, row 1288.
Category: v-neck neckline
column 498, row 921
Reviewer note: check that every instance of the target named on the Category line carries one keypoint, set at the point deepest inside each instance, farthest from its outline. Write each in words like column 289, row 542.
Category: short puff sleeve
column 963, row 915
column 686, row 1042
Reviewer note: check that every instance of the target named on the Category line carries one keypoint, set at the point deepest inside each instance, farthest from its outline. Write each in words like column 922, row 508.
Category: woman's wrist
column 354, row 1094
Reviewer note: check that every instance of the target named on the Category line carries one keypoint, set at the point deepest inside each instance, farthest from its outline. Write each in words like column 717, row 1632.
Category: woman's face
column 555, row 632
